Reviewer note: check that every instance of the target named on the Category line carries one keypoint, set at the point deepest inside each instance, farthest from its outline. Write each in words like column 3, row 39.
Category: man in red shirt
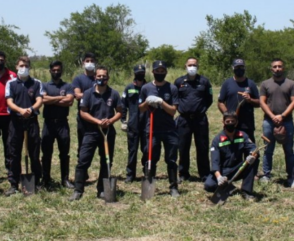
column 5, row 75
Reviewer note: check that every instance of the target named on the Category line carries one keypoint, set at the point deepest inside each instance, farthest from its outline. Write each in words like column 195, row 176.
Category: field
column 49, row 215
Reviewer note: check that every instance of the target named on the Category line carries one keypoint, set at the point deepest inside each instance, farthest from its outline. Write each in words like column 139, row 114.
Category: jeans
column 268, row 127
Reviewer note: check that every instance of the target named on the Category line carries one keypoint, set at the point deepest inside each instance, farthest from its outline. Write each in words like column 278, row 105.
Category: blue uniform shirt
column 100, row 106
column 83, row 82
column 162, row 121
column 60, row 89
column 24, row 93
column 229, row 95
column 195, row 96
column 227, row 154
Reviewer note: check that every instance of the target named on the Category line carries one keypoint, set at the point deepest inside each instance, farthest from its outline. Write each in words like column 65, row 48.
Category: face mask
column 56, row 76
column 159, row 77
column 2, row 66
column 278, row 74
column 192, row 70
column 239, row 72
column 230, row 127
column 89, row 66
column 23, row 72
column 140, row 77
column 101, row 82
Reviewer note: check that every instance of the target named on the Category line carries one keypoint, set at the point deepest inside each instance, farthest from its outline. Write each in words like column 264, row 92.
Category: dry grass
column 49, row 215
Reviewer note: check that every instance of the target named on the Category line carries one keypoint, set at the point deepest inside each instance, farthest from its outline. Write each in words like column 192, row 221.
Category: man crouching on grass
column 227, row 151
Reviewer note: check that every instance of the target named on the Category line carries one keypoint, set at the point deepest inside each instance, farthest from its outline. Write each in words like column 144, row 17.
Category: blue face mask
column 101, row 82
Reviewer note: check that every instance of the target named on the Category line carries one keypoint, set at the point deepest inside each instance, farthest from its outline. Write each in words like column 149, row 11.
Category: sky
column 171, row 22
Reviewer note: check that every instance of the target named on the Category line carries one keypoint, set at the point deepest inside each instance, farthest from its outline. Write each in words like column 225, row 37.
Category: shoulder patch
column 239, row 133
column 223, row 138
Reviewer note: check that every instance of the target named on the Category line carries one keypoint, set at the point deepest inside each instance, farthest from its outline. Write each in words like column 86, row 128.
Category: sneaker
column 100, row 195
column 264, row 179
column 12, row 190
column 247, row 196
column 75, row 196
column 67, row 184
column 129, row 179
column 174, row 192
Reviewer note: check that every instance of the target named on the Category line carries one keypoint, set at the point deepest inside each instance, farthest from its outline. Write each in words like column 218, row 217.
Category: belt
column 55, row 120
column 21, row 118
column 192, row 115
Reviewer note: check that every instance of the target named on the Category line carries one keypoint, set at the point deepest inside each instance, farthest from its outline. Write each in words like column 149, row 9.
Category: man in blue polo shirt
column 24, row 98
column 161, row 97
column 135, row 126
column 100, row 107
column 57, row 98
column 80, row 84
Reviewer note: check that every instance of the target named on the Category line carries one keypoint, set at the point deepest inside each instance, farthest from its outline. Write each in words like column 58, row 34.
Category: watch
column 32, row 109
column 283, row 116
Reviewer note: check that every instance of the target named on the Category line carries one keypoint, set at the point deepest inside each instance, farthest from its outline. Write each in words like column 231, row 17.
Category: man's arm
column 87, row 117
column 222, row 107
column 38, row 103
column 66, row 101
column 78, row 93
column 170, row 109
column 24, row 112
column 50, row 100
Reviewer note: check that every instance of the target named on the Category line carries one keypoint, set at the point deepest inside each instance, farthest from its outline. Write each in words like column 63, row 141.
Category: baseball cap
column 139, row 68
column 158, row 64
column 238, row 62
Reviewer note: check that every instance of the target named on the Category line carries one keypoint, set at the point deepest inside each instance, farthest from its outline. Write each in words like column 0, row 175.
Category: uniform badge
column 212, row 149
column 109, row 102
column 166, row 96
column 123, row 95
column 31, row 92
column 62, row 92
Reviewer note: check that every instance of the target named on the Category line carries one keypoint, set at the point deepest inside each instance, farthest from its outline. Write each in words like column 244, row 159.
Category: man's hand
column 221, row 180
column 25, row 112
column 250, row 159
column 124, row 126
column 154, row 101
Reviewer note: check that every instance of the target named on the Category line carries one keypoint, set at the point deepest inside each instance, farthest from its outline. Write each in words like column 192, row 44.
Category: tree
column 13, row 44
column 109, row 34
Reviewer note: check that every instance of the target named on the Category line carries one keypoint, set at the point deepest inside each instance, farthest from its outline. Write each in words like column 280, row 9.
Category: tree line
column 109, row 34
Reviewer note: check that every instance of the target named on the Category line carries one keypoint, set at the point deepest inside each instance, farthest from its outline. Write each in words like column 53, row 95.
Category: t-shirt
column 278, row 95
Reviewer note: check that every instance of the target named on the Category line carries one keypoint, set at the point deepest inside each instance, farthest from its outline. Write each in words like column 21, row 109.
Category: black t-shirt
column 60, row 89
column 229, row 95
column 162, row 121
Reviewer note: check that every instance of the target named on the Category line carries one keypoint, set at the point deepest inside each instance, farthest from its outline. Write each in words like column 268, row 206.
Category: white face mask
column 89, row 66
column 23, row 72
column 192, row 70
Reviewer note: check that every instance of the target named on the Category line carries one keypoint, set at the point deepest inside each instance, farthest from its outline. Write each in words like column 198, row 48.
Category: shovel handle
column 26, row 151
column 150, row 141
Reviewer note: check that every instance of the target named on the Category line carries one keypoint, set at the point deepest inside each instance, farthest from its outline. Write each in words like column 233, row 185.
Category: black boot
column 79, row 185
column 64, row 167
column 172, row 176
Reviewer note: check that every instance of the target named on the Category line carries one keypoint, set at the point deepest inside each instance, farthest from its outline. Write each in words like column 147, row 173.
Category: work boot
column 100, row 195
column 67, row 184
column 174, row 192
column 80, row 180
column 172, row 176
column 129, row 179
column 75, row 196
column 12, row 190
column 247, row 196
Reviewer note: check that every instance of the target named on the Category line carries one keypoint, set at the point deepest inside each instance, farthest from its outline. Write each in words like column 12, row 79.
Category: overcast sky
column 171, row 22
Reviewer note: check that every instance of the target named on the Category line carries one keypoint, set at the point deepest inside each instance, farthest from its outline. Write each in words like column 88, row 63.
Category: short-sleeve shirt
column 8, row 75
column 100, row 106
column 229, row 95
column 278, row 95
column 83, row 82
column 162, row 121
column 24, row 93
column 195, row 96
column 52, row 89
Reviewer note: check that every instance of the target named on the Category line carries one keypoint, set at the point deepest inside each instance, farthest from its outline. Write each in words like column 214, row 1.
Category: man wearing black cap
column 161, row 98
column 135, row 126
column 195, row 97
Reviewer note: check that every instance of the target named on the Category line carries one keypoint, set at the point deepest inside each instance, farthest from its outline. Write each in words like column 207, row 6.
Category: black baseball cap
column 158, row 64
column 238, row 62
column 139, row 68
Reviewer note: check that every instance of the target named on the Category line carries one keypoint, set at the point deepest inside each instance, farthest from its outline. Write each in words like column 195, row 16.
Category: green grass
column 49, row 215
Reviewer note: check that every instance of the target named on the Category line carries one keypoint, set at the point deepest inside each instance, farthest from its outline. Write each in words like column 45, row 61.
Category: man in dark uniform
column 80, row 84
column 5, row 75
column 161, row 97
column 57, row 97
column 135, row 126
column 100, row 107
column 227, row 151
column 24, row 98
column 195, row 97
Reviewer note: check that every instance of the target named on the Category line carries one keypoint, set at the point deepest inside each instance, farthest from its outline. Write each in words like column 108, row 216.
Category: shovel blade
column 148, row 188
column 27, row 184
column 222, row 193
column 109, row 185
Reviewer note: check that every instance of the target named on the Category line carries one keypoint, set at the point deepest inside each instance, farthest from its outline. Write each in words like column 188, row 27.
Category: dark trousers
column 247, row 175
column 59, row 130
column 198, row 127
column 170, row 140
column 15, row 142
column 80, row 132
column 90, row 142
column 4, row 126
column 134, row 139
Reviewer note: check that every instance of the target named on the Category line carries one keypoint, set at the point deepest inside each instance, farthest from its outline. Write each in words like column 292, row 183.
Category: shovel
column 223, row 192
column 27, row 180
column 148, row 182
column 109, row 184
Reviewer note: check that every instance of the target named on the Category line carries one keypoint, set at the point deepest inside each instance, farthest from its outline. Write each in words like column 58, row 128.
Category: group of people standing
column 100, row 106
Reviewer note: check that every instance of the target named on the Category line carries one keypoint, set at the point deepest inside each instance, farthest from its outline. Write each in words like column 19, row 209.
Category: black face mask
column 55, row 76
column 139, row 77
column 159, row 77
column 101, row 82
column 230, row 127
column 239, row 72
column 278, row 74
column 2, row 66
